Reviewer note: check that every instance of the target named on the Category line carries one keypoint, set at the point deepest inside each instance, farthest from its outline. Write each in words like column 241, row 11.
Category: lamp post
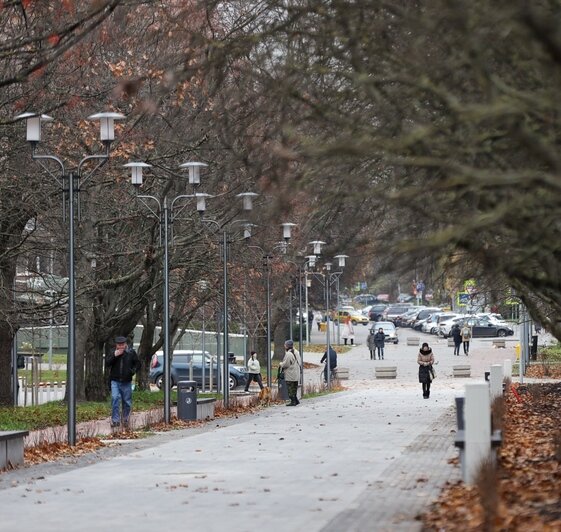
column 164, row 213
column 327, row 280
column 70, row 183
column 267, row 257
column 247, row 205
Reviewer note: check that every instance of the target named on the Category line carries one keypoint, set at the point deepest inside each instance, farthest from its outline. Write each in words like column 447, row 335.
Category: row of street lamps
column 165, row 212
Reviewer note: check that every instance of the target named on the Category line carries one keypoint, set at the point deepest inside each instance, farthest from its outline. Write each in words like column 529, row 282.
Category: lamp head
column 201, row 201
column 136, row 172
column 328, row 266
column 194, row 171
column 312, row 260
column 33, row 122
column 287, row 230
column 107, row 125
column 341, row 259
column 247, row 200
column 317, row 246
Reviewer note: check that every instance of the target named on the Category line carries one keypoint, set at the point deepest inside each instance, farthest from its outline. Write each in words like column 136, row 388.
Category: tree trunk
column 6, row 340
column 95, row 383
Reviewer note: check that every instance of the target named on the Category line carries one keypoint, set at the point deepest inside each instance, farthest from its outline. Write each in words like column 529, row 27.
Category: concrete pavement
column 370, row 457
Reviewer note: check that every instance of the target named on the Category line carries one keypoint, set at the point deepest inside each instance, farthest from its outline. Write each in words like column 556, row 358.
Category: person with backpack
column 466, row 337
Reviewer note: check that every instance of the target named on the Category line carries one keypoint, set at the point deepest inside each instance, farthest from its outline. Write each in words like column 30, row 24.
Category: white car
column 390, row 332
column 445, row 327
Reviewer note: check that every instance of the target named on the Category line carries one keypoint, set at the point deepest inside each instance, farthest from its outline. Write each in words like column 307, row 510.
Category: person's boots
column 345, row 341
column 352, row 342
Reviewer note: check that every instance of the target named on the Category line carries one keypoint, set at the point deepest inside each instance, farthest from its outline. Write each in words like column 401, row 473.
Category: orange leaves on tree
column 53, row 39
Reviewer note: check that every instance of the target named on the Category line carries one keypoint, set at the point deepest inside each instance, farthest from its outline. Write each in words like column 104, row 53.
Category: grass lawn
column 55, row 413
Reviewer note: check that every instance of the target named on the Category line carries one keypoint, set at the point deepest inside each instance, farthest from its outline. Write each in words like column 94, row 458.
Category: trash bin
column 534, row 348
column 187, row 400
column 283, row 389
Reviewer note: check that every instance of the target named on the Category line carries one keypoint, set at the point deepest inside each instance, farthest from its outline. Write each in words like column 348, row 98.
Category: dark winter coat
column 457, row 335
column 332, row 358
column 379, row 339
column 124, row 367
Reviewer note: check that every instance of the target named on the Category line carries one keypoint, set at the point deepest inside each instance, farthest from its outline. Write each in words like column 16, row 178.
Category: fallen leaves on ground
column 544, row 371
column 525, row 492
column 48, row 452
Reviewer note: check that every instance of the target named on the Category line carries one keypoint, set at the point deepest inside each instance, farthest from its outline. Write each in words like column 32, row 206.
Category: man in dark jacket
column 123, row 363
column 332, row 361
column 379, row 342
column 456, row 334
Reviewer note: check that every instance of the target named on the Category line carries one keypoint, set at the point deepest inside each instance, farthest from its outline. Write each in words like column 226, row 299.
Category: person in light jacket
column 253, row 371
column 291, row 364
column 466, row 337
column 425, row 359
column 348, row 331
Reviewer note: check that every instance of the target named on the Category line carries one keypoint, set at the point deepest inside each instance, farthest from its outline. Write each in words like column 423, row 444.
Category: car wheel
column 365, row 324
column 501, row 333
column 396, row 342
column 232, row 382
column 353, row 322
column 160, row 381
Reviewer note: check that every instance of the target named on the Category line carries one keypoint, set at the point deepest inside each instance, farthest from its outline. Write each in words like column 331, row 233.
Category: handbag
column 432, row 373
column 280, row 374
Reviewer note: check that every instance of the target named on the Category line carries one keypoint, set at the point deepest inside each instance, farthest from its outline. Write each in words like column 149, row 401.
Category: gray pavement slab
column 368, row 458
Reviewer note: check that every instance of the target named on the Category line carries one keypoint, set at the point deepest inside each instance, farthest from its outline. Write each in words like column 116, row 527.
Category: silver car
column 389, row 329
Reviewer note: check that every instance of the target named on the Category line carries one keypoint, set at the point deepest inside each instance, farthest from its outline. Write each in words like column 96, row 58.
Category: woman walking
column 425, row 359
column 379, row 342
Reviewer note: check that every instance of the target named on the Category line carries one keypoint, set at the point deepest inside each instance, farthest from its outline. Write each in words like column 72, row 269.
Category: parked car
column 180, row 369
column 376, row 311
column 390, row 332
column 356, row 317
column 445, row 326
column 405, row 319
column 365, row 299
column 484, row 328
column 423, row 315
column 394, row 311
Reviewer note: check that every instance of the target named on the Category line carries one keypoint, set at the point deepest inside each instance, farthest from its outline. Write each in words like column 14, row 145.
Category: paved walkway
column 368, row 458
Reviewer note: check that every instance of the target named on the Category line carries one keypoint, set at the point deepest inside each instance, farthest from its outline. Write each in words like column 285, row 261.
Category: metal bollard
column 477, row 417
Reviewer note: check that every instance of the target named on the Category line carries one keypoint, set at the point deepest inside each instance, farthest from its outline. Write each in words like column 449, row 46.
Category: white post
column 496, row 381
column 477, row 416
column 507, row 368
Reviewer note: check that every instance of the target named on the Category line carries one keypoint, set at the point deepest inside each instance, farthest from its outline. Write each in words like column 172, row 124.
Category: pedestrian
column 291, row 364
column 466, row 337
column 456, row 334
column 318, row 317
column 310, row 318
column 253, row 371
column 425, row 359
column 332, row 361
column 348, row 331
column 379, row 342
column 371, row 345
column 123, row 363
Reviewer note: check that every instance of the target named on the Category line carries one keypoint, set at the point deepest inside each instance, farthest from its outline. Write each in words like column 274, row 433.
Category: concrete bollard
column 477, row 418
column 496, row 381
column 507, row 368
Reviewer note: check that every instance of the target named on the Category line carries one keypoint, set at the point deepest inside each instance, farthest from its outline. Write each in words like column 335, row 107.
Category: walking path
column 368, row 458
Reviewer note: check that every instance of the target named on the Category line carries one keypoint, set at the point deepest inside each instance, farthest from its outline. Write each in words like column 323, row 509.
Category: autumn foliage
column 525, row 487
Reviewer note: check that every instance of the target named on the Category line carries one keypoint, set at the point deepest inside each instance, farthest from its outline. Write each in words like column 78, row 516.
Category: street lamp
column 267, row 257
column 327, row 280
column 247, row 205
column 164, row 213
column 70, row 183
